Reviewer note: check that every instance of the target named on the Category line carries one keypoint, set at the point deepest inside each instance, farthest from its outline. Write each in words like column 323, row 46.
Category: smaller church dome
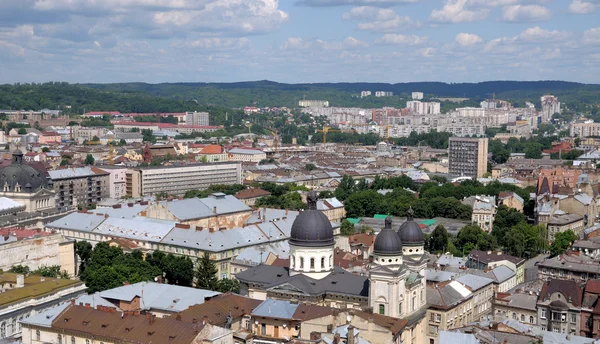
column 311, row 227
column 388, row 242
column 410, row 233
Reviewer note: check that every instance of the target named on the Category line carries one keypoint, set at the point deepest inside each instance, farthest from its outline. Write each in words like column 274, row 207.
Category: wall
column 37, row 252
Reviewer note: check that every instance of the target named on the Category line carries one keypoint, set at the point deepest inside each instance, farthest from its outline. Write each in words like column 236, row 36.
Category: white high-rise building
column 383, row 94
column 197, row 118
column 417, row 95
column 550, row 106
column 423, row 108
column 365, row 93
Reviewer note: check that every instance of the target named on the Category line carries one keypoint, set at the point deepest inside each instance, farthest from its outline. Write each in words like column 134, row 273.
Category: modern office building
column 468, row 157
column 197, row 118
column 176, row 180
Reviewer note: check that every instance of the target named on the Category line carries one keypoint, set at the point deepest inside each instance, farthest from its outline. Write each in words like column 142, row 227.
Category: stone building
column 559, row 307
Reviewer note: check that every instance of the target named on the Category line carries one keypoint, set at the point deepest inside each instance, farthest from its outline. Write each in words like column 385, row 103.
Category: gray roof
column 45, row 318
column 447, row 337
column 277, row 277
column 165, row 297
column 439, row 276
column 446, row 296
column 245, row 151
column 524, row 301
column 583, row 198
column 138, row 228
column 279, row 309
column 77, row 221
column 196, row 208
column 474, row 282
column 446, row 259
column 73, row 172
column 124, row 212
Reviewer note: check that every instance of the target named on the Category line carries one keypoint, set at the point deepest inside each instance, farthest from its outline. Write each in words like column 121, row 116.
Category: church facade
column 395, row 285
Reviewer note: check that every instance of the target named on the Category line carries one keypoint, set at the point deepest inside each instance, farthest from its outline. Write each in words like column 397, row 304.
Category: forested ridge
column 174, row 97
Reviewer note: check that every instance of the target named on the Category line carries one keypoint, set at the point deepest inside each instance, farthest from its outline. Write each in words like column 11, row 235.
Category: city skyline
column 299, row 41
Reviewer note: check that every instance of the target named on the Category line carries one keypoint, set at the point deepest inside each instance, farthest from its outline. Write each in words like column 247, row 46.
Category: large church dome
column 410, row 233
column 20, row 177
column 311, row 227
column 387, row 241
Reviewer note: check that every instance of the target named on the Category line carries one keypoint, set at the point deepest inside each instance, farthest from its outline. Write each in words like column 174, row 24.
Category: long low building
column 151, row 234
column 176, row 180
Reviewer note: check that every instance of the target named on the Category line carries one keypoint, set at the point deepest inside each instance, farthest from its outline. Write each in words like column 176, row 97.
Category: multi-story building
column 80, row 187
column 484, row 260
column 313, row 103
column 197, row 118
column 246, row 155
column 521, row 307
column 423, row 108
column 417, row 95
column 484, row 211
column 365, row 93
column 550, row 106
column 483, row 293
column 579, row 268
column 565, row 222
column 559, row 307
column 24, row 297
column 176, row 180
column 383, row 94
column 585, row 129
column 117, row 180
column 468, row 156
column 80, row 133
column 450, row 307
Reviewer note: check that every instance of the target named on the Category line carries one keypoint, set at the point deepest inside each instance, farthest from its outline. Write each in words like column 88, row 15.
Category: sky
column 295, row 41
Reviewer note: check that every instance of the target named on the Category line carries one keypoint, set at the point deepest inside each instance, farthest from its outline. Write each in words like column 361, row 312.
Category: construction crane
column 326, row 130
column 275, row 139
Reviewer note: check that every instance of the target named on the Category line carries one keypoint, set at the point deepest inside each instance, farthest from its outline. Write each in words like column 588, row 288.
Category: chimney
column 153, row 317
column 199, row 228
column 87, row 305
column 336, row 339
column 116, row 206
column 350, row 339
column 182, row 226
column 315, row 336
column 211, row 230
column 20, row 281
column 287, row 211
column 130, row 205
column 178, row 317
column 215, row 209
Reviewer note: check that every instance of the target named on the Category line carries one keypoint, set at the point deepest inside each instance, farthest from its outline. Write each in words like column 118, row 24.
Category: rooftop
column 35, row 287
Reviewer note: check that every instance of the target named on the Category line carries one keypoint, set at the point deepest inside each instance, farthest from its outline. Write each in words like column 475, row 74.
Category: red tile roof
column 252, row 193
column 592, row 286
column 212, row 149
column 216, row 310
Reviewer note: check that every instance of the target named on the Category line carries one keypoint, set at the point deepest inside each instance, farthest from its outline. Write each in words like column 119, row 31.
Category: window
column 293, row 261
column 301, row 262
column 432, row 330
column 312, row 263
column 543, row 316
column 514, row 316
column 322, row 262
column 531, row 319
column 573, row 318
column 263, row 329
column 38, row 335
column 3, row 330
column 381, row 309
column 72, row 340
column 523, row 317
column 438, row 318
column 60, row 338
column 400, row 309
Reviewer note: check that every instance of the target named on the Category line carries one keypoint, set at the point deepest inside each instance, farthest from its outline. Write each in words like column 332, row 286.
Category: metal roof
column 124, row 212
column 139, row 228
column 45, row 318
column 279, row 309
column 474, row 282
column 72, row 173
column 160, row 296
column 78, row 221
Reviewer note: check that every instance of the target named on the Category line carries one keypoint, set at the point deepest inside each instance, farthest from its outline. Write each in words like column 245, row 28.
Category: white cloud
column 298, row 43
column 393, row 38
column 526, row 13
column 214, row 43
column 592, row 36
column 466, row 39
column 537, row 34
column 583, row 7
column 322, row 3
column 380, row 19
column 457, row 11
column 427, row 52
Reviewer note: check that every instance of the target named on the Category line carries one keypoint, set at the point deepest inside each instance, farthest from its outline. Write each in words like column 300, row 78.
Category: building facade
column 80, row 187
column 468, row 156
column 197, row 118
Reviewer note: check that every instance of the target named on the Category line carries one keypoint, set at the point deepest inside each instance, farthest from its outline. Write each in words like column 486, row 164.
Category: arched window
column 87, row 341
column 37, row 335
column 381, row 309
column 60, row 338
column 523, row 317
column 293, row 261
column 72, row 340
column 301, row 262
column 322, row 262
column 531, row 319
column 312, row 263
column 331, row 261
column 514, row 316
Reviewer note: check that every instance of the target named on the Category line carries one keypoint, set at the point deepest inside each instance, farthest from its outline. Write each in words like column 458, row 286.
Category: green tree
column 89, row 160
column 562, row 241
column 206, row 273
column 473, row 237
column 228, row 285
column 22, row 131
column 346, row 188
column 310, row 167
column 65, row 162
column 533, row 150
column 83, row 249
column 45, row 149
column 19, row 269
column 346, row 228
column 438, row 240
column 122, row 142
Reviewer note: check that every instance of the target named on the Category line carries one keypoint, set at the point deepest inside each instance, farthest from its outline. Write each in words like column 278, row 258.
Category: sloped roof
column 216, row 310
column 568, row 288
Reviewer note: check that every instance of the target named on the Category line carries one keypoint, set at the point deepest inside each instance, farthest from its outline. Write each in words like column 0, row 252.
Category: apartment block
column 197, row 118
column 585, row 129
column 313, row 103
column 468, row 156
column 176, row 180
column 81, row 186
